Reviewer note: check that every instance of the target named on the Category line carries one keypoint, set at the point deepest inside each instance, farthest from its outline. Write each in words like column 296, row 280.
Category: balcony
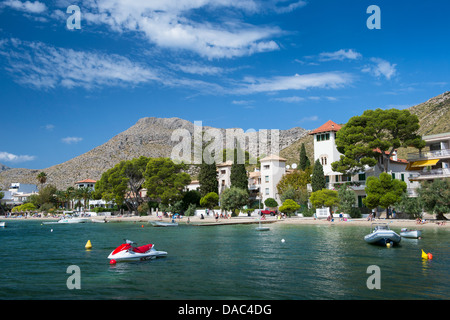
column 435, row 154
column 354, row 185
column 431, row 174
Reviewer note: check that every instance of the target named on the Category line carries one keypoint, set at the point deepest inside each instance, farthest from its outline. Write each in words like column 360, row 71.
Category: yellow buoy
column 424, row 255
column 88, row 245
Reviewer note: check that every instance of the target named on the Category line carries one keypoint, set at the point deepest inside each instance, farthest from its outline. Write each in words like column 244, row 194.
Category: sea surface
column 219, row 263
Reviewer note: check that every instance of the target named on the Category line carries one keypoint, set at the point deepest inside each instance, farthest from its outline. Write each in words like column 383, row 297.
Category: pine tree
column 238, row 174
column 318, row 178
column 207, row 178
column 304, row 160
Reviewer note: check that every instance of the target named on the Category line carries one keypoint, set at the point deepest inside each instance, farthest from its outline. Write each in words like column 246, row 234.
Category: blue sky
column 273, row 64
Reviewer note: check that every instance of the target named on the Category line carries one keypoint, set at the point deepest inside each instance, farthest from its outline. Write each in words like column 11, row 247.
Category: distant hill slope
column 3, row 167
column 150, row 137
column 434, row 115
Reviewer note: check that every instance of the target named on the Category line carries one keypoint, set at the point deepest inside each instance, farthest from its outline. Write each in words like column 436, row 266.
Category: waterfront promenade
column 211, row 221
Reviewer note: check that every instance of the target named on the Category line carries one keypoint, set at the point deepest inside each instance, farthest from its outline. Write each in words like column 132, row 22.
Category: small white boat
column 164, row 224
column 74, row 220
column 2, row 224
column 405, row 233
column 382, row 235
column 128, row 251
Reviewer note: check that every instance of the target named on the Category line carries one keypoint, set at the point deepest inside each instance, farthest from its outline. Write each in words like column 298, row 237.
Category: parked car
column 267, row 211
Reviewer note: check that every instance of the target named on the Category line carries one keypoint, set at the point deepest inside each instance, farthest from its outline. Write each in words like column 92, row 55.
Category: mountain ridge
column 151, row 137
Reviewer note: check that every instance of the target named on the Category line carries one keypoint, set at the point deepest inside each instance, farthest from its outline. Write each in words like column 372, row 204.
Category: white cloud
column 9, row 157
column 292, row 99
column 380, row 68
column 195, row 68
column 27, row 6
column 171, row 24
column 43, row 66
column 291, row 7
column 49, row 127
column 340, row 55
column 331, row 80
column 307, row 119
column 71, row 140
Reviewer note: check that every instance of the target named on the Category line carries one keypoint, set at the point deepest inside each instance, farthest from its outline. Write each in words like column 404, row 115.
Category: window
column 393, row 175
column 323, row 160
column 323, row 136
column 360, row 202
column 362, row 177
column 222, row 171
column 266, row 167
column 402, row 176
column 267, row 191
column 267, row 178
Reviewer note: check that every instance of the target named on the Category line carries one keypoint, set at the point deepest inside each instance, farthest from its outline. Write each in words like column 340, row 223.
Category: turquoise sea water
column 221, row 262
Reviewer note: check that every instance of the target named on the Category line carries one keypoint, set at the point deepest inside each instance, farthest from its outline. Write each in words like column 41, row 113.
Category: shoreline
column 210, row 221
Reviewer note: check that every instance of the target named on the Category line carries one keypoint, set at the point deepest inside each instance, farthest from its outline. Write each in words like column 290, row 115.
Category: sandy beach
column 210, row 221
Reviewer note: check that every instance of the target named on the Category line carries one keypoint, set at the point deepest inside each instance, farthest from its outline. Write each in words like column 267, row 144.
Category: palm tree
column 85, row 194
column 70, row 195
column 42, row 178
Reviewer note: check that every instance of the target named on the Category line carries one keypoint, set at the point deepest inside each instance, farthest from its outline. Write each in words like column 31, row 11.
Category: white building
column 262, row 183
column 434, row 163
column 86, row 183
column 272, row 170
column 325, row 150
column 18, row 193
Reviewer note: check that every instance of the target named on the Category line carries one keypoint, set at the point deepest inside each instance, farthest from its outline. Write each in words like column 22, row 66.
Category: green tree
column 207, row 178
column 165, row 181
column 85, row 194
column 289, row 206
column 297, row 179
column 42, row 178
column 304, row 160
column 233, row 199
column 318, row 181
column 24, row 207
column 45, row 195
column 383, row 191
column 123, row 182
column 410, row 205
column 376, row 133
column 435, row 197
column 347, row 199
column 238, row 174
column 210, row 200
column 271, row 203
column 191, row 197
column 324, row 198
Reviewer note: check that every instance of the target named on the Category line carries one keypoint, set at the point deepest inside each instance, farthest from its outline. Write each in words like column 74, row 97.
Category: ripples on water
column 225, row 262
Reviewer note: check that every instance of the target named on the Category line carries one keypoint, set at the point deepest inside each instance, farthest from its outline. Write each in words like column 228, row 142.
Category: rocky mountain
column 434, row 114
column 150, row 137
column 3, row 167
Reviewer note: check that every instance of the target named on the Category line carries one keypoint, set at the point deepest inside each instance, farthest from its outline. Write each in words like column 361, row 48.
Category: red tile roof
column 326, row 127
column 86, row 181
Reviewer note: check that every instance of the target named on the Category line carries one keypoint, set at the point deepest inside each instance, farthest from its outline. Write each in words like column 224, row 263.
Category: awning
column 416, row 165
